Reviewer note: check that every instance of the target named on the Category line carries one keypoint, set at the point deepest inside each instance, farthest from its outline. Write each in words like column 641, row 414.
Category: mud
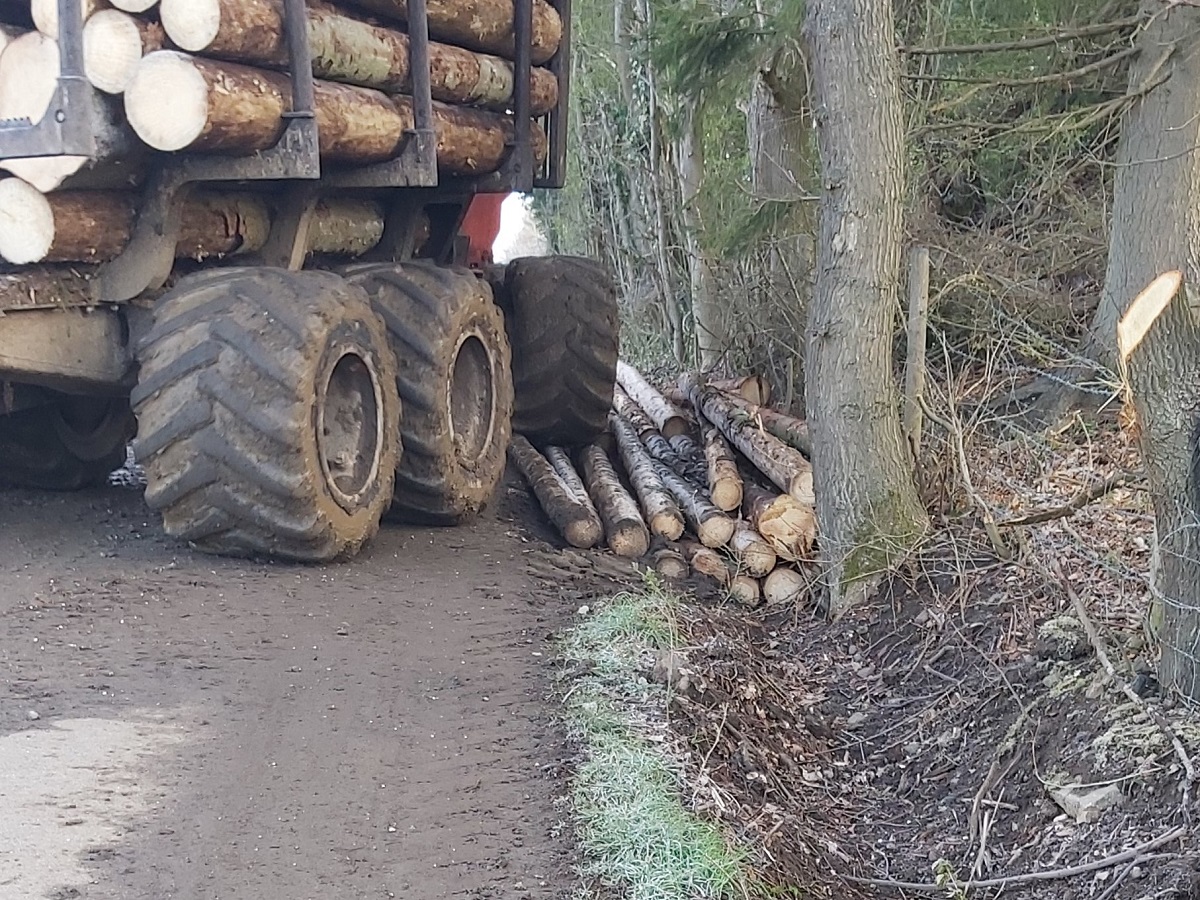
column 180, row 726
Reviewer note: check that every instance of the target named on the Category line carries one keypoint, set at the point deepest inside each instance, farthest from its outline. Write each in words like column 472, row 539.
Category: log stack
column 728, row 497
column 211, row 77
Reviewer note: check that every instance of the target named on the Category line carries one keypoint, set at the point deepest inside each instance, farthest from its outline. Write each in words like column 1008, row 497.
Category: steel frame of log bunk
column 298, row 448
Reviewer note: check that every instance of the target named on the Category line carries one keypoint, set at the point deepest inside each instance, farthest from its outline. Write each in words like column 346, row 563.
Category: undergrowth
column 634, row 831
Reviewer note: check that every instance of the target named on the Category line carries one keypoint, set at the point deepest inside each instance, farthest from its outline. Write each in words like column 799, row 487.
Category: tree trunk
column 667, row 418
column 113, row 44
column 576, row 521
column 724, row 479
column 1159, row 346
column 485, row 25
column 177, row 102
column 662, row 512
column 706, row 301
column 45, row 14
column 790, row 527
column 868, row 507
column 784, row 466
column 713, row 527
column 347, row 50
column 623, row 524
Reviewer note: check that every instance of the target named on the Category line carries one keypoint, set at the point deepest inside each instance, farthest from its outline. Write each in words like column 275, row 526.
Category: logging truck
column 236, row 235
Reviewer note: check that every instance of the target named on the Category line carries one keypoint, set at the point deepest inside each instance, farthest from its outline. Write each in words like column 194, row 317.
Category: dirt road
column 178, row 726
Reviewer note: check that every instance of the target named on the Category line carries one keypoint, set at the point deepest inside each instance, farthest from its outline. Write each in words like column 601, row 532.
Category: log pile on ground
column 212, row 77
column 701, row 478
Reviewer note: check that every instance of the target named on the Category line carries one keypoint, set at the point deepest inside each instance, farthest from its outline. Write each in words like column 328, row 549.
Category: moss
column 892, row 531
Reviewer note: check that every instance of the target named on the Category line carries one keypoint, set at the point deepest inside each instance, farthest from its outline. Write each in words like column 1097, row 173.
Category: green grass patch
column 634, row 831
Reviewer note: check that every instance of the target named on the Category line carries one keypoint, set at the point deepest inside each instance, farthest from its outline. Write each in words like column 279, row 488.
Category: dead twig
column 1085, row 497
column 1137, row 854
column 1048, row 40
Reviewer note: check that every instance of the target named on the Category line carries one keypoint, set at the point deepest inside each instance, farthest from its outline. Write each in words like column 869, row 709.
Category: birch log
column 669, row 562
column 666, row 416
column 788, row 525
column 757, row 557
column 708, row 562
column 624, row 527
column 724, row 479
column 662, row 512
column 712, row 526
column 347, row 50
column 575, row 521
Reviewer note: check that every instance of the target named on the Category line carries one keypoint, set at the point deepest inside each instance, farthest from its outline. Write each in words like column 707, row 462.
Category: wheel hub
column 350, row 428
column 472, row 399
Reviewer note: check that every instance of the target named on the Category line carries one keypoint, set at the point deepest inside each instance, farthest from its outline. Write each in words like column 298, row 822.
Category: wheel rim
column 90, row 428
column 472, row 398
column 350, row 428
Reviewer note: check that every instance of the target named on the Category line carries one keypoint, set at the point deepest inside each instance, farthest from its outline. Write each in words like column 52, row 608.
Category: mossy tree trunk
column 867, row 503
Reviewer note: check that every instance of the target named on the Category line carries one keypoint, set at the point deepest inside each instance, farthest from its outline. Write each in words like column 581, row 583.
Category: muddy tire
column 70, row 445
column 267, row 415
column 454, row 375
column 564, row 329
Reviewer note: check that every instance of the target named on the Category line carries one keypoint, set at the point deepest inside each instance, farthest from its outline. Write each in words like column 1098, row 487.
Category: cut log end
column 785, row 586
column 727, row 495
column 192, row 24
column 112, row 49
column 134, row 6
column 716, row 531
column 583, row 533
column 746, row 590
column 167, row 101
column 26, row 222
column 667, row 525
column 45, row 14
column 670, row 564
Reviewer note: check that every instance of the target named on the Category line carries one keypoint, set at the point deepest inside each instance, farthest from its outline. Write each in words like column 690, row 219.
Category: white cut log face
column 192, row 24
column 134, row 6
column 29, row 70
column 26, row 222
column 1144, row 311
column 45, row 14
column 167, row 101
column 112, row 48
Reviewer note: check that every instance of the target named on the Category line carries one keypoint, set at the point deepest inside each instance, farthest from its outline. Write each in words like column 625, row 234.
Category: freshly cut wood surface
column 751, row 388
column 347, row 50
column 45, row 14
column 788, row 525
column 786, row 585
column 724, row 479
column 669, row 563
column 666, row 416
column 479, row 24
column 8, row 34
column 661, row 510
column 114, row 43
column 26, row 222
column 708, row 562
column 624, row 527
column 575, row 521
column 756, row 556
column 134, row 6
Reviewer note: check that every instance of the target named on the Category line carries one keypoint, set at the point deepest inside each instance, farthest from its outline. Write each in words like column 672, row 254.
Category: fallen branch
column 1086, row 31
column 1085, row 497
column 1138, row 853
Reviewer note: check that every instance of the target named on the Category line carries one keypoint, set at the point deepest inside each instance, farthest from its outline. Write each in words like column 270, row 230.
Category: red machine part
column 480, row 226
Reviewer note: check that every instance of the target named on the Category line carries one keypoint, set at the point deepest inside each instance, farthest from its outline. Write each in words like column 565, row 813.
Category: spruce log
column 624, row 527
column 179, row 102
column 485, row 25
column 712, row 526
column 345, row 227
column 708, row 562
column 785, row 466
column 669, row 562
column 790, row 430
column 576, row 522
column 788, row 525
column 45, row 14
column 786, row 585
column 347, row 50
column 114, row 43
column 662, row 512
column 724, row 479
column 666, row 416
column 755, row 555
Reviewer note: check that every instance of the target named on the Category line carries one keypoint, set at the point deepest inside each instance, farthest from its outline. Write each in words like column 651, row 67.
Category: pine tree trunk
column 869, row 512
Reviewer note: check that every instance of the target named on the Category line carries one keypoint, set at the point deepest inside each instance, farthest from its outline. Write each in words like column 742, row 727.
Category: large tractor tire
column 454, row 374
column 565, row 334
column 69, row 445
column 268, row 418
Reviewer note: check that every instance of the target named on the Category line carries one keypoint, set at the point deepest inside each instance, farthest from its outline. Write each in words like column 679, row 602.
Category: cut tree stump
column 785, row 466
column 713, row 527
column 666, row 416
column 624, row 527
column 347, row 50
column 724, row 479
column 114, row 43
column 788, row 525
column 576, row 522
column 485, row 25
column 661, row 510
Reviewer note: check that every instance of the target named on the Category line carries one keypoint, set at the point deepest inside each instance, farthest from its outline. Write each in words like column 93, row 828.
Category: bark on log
column 560, row 460
column 669, row 563
column 788, row 525
column 45, row 14
column 46, row 287
column 178, row 102
column 691, row 458
column 576, row 522
column 666, row 416
column 751, row 388
column 785, row 466
column 345, row 227
column 724, row 479
column 347, row 50
column 624, row 527
column 485, row 25
column 786, row 585
column 712, row 526
column 708, row 562
column 755, row 555
column 662, row 512
column 630, row 411
column 114, row 43
column 792, row 431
